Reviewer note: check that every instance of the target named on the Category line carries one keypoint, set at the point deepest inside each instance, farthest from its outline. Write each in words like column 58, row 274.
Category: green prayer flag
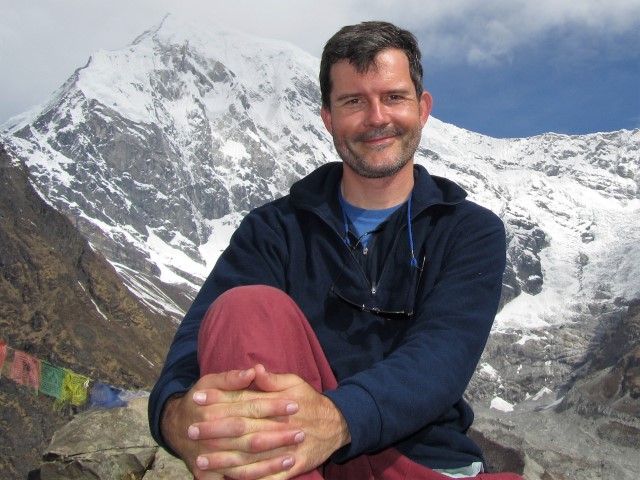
column 51, row 379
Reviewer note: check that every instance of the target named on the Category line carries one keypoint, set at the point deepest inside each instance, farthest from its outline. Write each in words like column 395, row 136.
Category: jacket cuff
column 361, row 413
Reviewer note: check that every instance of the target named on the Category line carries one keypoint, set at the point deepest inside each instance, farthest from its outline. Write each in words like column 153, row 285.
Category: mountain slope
column 63, row 303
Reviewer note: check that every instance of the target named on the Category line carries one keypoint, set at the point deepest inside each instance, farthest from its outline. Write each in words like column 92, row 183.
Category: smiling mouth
column 378, row 135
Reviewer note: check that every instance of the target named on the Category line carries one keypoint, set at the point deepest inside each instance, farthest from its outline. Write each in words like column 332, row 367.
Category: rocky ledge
column 108, row 444
column 535, row 442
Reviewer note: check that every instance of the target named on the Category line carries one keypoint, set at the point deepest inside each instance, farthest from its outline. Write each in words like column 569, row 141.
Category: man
column 337, row 333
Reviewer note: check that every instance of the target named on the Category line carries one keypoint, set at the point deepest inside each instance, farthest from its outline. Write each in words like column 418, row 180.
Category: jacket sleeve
column 255, row 256
column 426, row 375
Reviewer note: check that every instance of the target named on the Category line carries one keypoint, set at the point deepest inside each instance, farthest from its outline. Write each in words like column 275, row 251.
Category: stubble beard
column 358, row 162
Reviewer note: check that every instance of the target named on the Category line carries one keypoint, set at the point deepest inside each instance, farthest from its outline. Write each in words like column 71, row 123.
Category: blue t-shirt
column 364, row 220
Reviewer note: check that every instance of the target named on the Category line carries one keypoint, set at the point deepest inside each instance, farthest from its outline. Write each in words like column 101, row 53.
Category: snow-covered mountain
column 157, row 150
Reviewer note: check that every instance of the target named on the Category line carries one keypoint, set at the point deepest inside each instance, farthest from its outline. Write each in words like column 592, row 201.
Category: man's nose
column 377, row 114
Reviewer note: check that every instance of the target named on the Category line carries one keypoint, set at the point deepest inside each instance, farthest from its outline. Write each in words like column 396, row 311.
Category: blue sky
column 504, row 68
column 545, row 87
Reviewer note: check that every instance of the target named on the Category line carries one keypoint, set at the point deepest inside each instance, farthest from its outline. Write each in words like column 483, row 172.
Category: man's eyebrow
column 393, row 91
column 400, row 91
column 344, row 96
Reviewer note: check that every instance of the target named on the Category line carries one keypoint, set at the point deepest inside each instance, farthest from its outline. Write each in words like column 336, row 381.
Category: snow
column 584, row 199
column 489, row 372
column 543, row 391
column 502, row 405
column 221, row 231
column 234, row 149
column 527, row 337
column 120, row 80
column 171, row 260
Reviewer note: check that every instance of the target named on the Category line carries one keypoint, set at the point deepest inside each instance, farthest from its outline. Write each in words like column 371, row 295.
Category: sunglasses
column 392, row 298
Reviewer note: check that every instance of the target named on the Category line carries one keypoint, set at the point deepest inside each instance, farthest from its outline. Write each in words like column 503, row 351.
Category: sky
column 503, row 68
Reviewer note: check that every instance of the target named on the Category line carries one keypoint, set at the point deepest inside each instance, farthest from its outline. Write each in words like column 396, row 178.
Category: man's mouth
column 378, row 135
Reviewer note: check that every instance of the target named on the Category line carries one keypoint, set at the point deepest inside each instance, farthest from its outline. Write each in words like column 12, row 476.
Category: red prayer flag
column 3, row 355
column 25, row 370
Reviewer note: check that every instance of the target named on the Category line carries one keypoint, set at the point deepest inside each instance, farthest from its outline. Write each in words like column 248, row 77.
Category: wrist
column 341, row 434
column 169, row 429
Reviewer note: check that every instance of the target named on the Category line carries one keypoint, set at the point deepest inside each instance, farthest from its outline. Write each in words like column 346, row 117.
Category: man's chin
column 376, row 171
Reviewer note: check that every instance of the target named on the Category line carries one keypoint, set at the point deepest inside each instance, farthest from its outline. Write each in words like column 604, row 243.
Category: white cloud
column 489, row 31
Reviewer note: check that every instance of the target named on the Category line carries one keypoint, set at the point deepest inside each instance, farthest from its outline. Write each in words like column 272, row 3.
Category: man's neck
column 377, row 193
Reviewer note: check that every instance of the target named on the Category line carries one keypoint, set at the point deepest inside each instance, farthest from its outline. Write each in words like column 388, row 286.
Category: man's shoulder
column 275, row 207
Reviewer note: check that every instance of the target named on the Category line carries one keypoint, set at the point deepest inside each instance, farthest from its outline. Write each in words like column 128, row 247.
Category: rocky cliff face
column 590, row 429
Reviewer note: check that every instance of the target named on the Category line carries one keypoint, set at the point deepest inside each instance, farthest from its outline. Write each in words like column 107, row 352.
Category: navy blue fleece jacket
column 401, row 374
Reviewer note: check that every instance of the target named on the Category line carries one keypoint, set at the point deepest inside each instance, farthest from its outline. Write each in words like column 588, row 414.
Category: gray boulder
column 107, row 444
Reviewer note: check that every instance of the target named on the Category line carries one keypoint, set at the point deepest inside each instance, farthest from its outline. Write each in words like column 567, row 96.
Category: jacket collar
column 318, row 191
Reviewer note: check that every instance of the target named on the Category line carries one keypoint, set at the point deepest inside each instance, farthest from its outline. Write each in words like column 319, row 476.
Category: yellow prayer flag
column 74, row 388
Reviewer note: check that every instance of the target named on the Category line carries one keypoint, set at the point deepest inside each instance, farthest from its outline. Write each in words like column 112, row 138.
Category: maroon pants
column 258, row 324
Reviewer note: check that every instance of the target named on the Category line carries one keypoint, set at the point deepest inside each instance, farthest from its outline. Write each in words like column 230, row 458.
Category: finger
column 231, row 380
column 253, row 443
column 274, row 382
column 237, row 466
column 200, row 475
column 233, row 404
column 234, row 427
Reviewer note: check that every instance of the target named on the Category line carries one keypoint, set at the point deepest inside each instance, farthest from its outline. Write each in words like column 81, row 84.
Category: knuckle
column 221, row 461
column 255, row 411
column 237, row 427
column 215, row 396
column 213, row 414
column 211, row 445
column 255, row 444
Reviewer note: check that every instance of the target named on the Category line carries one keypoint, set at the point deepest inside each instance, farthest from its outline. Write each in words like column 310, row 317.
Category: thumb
column 274, row 382
column 231, row 380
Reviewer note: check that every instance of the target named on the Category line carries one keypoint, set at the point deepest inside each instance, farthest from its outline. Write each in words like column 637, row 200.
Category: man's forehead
column 393, row 61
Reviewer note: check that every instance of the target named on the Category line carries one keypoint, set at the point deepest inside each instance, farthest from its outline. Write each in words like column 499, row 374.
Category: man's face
column 375, row 117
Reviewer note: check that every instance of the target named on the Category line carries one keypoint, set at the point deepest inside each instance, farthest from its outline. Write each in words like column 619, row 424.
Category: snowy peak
column 190, row 62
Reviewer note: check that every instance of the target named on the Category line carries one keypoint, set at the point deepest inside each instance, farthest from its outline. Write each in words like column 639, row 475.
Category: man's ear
column 425, row 104
column 325, row 113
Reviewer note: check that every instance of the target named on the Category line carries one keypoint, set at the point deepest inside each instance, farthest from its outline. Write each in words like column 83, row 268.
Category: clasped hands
column 278, row 429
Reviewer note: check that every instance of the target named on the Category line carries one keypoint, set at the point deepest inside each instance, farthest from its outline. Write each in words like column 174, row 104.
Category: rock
column 107, row 444
column 166, row 467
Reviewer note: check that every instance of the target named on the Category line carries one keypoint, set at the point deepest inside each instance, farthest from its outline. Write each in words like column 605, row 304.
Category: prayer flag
column 25, row 370
column 3, row 355
column 51, row 380
column 74, row 388
column 106, row 396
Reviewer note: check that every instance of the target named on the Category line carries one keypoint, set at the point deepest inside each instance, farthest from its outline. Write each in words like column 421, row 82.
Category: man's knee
column 255, row 306
column 252, row 295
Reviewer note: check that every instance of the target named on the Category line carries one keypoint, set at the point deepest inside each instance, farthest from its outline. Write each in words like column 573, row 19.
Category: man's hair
column 360, row 44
